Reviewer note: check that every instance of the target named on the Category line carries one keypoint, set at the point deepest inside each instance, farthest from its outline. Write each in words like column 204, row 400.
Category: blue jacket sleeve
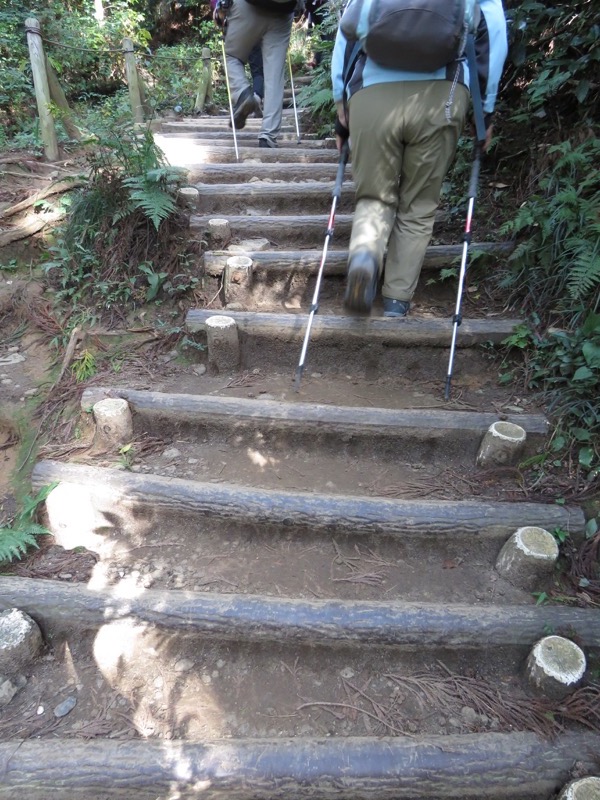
column 337, row 66
column 491, row 49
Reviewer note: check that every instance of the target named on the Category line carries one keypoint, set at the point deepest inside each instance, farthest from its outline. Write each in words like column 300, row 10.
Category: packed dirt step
column 259, row 588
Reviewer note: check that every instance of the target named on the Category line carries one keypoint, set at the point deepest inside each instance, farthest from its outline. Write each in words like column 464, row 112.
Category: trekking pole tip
column 298, row 378
column 447, row 390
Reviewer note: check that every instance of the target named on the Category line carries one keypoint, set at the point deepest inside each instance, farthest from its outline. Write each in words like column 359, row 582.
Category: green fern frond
column 584, row 275
column 14, row 542
column 156, row 203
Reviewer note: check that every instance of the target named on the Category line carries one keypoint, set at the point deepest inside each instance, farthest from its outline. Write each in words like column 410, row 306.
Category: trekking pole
column 457, row 318
column 237, row 155
column 337, row 193
column 294, row 98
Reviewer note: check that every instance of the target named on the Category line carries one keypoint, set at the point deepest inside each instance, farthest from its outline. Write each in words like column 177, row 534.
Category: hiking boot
column 264, row 142
column 243, row 108
column 395, row 308
column 361, row 284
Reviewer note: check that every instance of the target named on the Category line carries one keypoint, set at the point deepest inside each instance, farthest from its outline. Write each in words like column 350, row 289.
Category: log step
column 60, row 607
column 231, row 198
column 308, row 261
column 247, row 139
column 224, row 131
column 306, row 230
column 408, row 332
column 242, row 172
column 172, row 499
column 196, row 153
column 490, row 766
column 414, row 434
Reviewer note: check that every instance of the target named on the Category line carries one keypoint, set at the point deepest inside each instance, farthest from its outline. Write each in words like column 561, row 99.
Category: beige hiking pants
column 402, row 147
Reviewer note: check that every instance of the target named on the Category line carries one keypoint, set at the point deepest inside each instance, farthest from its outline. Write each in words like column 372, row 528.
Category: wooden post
column 147, row 109
column 135, row 97
column 58, row 97
column 42, row 89
column 205, row 81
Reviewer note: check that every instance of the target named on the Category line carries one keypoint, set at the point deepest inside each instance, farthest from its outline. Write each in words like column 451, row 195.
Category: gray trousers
column 402, row 147
column 248, row 25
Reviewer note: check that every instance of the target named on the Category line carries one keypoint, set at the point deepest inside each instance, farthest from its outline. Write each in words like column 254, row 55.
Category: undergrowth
column 125, row 239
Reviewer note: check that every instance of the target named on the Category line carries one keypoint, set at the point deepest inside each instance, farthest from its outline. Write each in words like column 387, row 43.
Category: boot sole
column 242, row 114
column 360, row 292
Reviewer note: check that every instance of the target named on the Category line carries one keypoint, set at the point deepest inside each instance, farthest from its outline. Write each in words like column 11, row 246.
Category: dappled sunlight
column 76, row 522
column 158, row 672
column 261, row 461
column 183, row 152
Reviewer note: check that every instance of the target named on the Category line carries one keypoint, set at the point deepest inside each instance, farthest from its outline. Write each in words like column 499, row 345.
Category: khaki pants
column 402, row 147
column 248, row 26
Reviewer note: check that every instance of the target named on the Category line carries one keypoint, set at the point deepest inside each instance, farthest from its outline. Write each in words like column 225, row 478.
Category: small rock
column 206, row 680
column 171, row 452
column 7, row 691
column 199, row 369
column 183, row 665
column 192, row 460
column 39, row 711
column 62, row 709
column 347, row 673
column 65, row 576
column 469, row 715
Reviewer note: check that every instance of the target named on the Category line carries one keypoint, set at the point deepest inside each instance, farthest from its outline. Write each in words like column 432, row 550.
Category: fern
column 156, row 203
column 22, row 532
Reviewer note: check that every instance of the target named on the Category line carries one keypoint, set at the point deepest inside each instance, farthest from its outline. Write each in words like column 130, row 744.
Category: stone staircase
column 295, row 595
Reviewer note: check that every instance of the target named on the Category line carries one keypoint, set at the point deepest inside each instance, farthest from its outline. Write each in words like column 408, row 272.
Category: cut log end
column 528, row 556
column 502, row 444
column 223, row 343
column 555, row 666
column 582, row 789
column 114, row 423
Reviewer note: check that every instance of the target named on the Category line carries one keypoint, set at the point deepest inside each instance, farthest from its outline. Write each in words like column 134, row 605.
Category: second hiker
column 250, row 23
column 404, row 124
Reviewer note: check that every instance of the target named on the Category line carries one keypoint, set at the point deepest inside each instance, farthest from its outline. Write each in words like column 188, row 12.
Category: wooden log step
column 248, row 139
column 198, row 153
column 299, row 229
column 308, row 261
column 229, row 198
column 58, row 608
column 488, row 766
column 241, row 172
column 219, row 132
column 408, row 332
column 440, row 433
column 175, row 498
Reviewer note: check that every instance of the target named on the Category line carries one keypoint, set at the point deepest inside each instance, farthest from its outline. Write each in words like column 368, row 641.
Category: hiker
column 404, row 128
column 267, row 23
column 254, row 59
column 316, row 12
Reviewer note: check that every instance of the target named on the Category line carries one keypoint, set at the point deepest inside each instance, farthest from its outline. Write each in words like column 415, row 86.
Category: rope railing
column 48, row 90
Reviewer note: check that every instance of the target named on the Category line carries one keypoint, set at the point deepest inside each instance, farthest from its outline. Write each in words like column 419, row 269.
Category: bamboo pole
column 42, row 88
column 135, row 97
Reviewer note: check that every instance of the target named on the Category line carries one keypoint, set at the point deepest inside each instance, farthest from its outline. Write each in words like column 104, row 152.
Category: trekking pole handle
column 344, row 154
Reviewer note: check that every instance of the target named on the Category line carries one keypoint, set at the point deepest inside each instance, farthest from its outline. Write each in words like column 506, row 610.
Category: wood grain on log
column 411, row 331
column 490, row 766
column 307, row 510
column 337, row 260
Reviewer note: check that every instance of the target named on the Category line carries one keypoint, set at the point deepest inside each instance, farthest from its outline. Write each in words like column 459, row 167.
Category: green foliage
column 564, row 367
column 99, row 255
column 22, row 531
column 555, row 55
column 556, row 264
column 84, row 366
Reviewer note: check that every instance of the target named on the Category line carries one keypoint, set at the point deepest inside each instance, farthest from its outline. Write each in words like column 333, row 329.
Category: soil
column 133, row 680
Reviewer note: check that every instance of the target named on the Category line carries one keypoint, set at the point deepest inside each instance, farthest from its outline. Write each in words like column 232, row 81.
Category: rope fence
column 48, row 90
